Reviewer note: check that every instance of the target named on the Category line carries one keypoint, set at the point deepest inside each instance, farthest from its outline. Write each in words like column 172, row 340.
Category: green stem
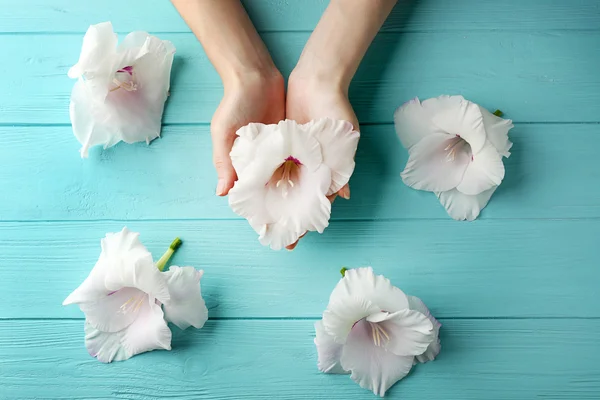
column 343, row 271
column 162, row 262
column 498, row 113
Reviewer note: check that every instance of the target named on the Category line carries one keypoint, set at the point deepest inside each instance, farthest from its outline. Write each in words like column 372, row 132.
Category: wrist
column 264, row 77
column 323, row 69
column 320, row 79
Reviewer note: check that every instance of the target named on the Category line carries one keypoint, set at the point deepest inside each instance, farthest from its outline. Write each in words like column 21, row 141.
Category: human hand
column 311, row 98
column 252, row 97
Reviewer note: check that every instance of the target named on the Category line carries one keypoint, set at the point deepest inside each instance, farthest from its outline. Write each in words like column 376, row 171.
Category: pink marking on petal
column 294, row 159
column 128, row 69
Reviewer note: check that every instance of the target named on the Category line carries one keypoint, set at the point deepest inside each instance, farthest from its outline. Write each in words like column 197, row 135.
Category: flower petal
column 342, row 314
column 186, row 307
column 413, row 123
column 96, row 61
column 301, row 143
column 261, row 146
column 461, row 206
column 338, row 141
column 129, row 264
column 497, row 131
column 429, row 168
column 124, row 263
column 483, row 173
column 329, row 352
column 411, row 332
column 116, row 311
column 372, row 367
column 434, row 348
column 105, row 346
column 358, row 294
column 148, row 332
column 457, row 116
column 280, row 220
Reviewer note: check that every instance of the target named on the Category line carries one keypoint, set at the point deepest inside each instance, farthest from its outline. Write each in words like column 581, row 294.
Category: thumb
column 222, row 144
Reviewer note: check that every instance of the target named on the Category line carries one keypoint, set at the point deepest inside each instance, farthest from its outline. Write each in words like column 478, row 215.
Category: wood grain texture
column 286, row 15
column 174, row 177
column 529, row 76
column 537, row 268
column 480, row 360
column 517, row 291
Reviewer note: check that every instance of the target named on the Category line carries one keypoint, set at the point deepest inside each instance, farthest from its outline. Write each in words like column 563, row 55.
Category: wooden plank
column 480, row 359
column 514, row 268
column 518, row 72
column 174, row 177
column 281, row 15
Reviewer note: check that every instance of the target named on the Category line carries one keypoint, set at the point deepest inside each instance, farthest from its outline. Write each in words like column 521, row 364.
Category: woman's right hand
column 249, row 97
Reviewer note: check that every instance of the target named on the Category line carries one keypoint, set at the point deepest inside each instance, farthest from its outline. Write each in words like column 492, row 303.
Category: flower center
column 132, row 304
column 374, row 330
column 124, row 79
column 286, row 175
column 379, row 334
column 455, row 146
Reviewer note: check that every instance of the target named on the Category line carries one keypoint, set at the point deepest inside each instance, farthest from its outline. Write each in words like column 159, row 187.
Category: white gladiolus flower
column 285, row 172
column 456, row 149
column 121, row 89
column 374, row 332
column 122, row 298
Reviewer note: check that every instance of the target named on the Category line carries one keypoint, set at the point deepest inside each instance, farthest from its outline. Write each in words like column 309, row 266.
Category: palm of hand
column 251, row 100
column 307, row 101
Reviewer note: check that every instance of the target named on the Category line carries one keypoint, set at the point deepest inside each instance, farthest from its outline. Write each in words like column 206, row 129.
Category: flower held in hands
column 122, row 299
column 374, row 332
column 456, row 149
column 285, row 173
column 120, row 90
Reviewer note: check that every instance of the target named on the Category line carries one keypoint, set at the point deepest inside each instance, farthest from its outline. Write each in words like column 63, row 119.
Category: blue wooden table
column 517, row 290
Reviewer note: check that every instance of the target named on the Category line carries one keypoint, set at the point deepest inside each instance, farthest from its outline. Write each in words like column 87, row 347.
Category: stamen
column 133, row 304
column 378, row 333
column 128, row 85
column 139, row 304
column 456, row 144
column 383, row 331
column 285, row 175
column 375, row 334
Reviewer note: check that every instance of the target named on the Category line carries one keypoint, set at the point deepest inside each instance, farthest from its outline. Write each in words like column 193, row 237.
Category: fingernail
column 345, row 193
column 221, row 187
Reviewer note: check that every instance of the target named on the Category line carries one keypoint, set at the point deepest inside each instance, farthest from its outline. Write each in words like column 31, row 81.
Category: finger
column 222, row 144
column 293, row 245
column 344, row 192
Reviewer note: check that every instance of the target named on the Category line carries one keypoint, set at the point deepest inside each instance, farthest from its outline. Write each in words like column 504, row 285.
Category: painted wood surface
column 483, row 269
column 174, row 177
column 27, row 16
column 481, row 360
column 516, row 290
column 531, row 76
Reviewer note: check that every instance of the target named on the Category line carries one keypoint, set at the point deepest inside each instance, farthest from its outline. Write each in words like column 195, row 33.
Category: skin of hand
column 318, row 86
column 252, row 99
column 254, row 90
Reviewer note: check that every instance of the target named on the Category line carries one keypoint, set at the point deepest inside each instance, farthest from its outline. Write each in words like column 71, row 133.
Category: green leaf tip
column 343, row 271
column 176, row 244
column 498, row 113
